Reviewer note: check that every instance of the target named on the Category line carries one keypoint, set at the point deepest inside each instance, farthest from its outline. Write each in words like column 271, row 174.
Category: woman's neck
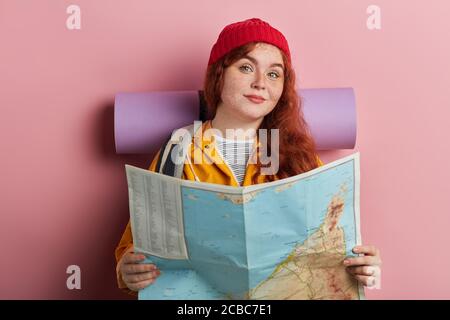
column 240, row 129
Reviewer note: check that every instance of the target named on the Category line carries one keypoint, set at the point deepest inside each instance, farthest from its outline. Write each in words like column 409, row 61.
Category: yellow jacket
column 212, row 169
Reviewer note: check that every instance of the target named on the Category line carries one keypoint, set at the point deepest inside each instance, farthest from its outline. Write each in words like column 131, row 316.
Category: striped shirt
column 236, row 154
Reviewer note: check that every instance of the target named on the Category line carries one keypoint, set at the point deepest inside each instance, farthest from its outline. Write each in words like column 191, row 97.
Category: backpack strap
column 160, row 157
column 173, row 152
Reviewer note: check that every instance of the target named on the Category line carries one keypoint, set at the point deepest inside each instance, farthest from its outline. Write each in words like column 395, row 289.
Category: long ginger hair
column 297, row 149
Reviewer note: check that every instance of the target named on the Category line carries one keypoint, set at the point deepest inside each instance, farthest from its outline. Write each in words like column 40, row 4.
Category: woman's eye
column 277, row 76
column 245, row 66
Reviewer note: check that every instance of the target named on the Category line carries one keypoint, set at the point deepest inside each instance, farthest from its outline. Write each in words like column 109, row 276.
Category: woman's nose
column 259, row 81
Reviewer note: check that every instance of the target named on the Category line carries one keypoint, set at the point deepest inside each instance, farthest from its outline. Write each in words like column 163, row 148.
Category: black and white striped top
column 236, row 154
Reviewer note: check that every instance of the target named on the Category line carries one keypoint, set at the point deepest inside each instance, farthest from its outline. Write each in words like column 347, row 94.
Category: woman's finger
column 362, row 261
column 362, row 270
column 367, row 281
column 140, row 285
column 134, row 278
column 368, row 250
column 133, row 258
column 137, row 268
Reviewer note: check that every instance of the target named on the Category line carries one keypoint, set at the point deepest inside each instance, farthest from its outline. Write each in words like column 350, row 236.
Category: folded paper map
column 285, row 239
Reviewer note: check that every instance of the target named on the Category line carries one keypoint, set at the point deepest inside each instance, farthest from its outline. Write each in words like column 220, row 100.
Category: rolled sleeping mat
column 143, row 121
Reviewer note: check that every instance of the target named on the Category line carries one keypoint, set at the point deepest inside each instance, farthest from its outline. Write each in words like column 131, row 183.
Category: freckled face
column 256, row 75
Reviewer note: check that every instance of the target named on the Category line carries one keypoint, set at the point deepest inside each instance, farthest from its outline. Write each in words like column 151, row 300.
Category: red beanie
column 239, row 33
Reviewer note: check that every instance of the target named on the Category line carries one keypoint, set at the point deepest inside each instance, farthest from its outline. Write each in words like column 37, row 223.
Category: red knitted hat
column 239, row 33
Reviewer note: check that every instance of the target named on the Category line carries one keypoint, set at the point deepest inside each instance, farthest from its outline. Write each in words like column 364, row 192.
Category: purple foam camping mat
column 143, row 121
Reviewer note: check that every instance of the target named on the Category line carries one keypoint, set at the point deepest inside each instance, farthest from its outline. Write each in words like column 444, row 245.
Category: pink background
column 63, row 190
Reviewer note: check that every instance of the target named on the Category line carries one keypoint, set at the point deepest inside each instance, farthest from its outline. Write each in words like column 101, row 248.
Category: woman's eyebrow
column 256, row 62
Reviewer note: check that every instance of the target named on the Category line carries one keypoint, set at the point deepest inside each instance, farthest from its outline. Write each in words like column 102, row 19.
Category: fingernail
column 346, row 262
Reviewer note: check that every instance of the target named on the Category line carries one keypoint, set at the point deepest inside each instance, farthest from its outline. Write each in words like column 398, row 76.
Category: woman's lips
column 255, row 100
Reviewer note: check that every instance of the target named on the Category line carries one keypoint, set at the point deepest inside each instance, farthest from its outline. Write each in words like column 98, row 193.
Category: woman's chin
column 252, row 117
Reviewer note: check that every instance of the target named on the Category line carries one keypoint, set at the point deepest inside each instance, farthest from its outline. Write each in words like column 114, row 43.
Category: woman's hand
column 137, row 275
column 366, row 268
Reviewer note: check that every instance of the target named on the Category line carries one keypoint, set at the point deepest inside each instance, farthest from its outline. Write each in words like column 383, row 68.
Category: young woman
column 249, row 85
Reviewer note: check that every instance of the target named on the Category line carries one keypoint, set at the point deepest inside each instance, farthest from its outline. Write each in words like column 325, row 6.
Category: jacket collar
column 210, row 153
